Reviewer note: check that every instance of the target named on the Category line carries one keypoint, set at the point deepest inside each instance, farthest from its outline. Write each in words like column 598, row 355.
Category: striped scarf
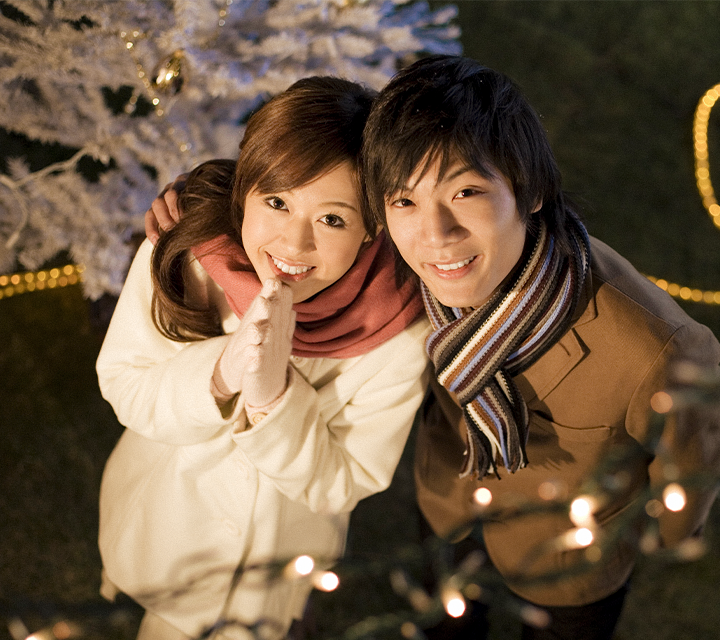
column 477, row 351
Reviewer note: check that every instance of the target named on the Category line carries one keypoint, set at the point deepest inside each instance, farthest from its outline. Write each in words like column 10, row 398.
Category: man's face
column 462, row 235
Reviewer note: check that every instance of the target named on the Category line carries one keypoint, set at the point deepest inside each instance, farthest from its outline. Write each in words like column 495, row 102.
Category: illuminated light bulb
column 577, row 538
column 661, row 402
column 44, row 634
column 581, row 511
column 584, row 537
column 674, row 497
column 326, row 581
column 454, row 605
column 482, row 496
column 304, row 565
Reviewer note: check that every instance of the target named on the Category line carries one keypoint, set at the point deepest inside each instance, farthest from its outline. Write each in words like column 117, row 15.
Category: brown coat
column 588, row 396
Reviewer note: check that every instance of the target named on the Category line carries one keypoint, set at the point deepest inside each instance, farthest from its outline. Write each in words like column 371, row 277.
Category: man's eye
column 333, row 221
column 403, row 202
column 276, row 203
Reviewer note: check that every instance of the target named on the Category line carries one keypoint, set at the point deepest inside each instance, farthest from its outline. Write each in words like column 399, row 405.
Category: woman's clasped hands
column 255, row 360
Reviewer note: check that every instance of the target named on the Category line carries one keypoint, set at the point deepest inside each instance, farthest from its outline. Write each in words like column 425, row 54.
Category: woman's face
column 306, row 237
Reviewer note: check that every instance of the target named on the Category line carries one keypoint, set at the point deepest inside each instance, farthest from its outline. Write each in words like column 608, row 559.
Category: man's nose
column 440, row 226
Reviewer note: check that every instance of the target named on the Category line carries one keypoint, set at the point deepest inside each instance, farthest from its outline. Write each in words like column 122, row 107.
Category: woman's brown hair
column 296, row 137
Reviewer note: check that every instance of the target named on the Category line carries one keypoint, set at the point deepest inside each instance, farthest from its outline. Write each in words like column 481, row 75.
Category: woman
column 238, row 454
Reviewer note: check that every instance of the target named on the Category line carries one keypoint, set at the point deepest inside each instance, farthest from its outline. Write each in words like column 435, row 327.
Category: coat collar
column 544, row 375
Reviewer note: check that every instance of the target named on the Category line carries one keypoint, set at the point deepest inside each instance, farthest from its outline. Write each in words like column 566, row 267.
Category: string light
column 707, row 193
column 453, row 602
column 581, row 511
column 674, row 497
column 326, row 581
column 578, row 538
column 482, row 496
column 304, row 565
column 702, row 155
column 17, row 283
column 686, row 293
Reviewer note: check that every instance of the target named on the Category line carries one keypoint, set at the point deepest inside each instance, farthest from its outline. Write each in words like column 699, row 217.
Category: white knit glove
column 269, row 346
column 255, row 359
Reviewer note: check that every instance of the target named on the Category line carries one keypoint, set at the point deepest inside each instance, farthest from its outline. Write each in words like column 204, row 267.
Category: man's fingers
column 152, row 230
column 171, row 208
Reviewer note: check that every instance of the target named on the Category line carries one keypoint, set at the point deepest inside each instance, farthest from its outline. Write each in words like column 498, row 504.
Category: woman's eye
column 276, row 203
column 333, row 221
column 466, row 193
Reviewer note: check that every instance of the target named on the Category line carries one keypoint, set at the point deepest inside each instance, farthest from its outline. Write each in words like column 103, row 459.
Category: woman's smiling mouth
column 288, row 269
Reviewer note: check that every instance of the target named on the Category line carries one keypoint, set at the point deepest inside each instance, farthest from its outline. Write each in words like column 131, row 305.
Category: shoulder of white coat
column 410, row 341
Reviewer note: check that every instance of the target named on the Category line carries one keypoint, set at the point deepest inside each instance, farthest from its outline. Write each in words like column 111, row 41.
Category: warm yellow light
column 577, row 538
column 304, row 565
column 482, row 496
column 454, row 605
column 584, row 537
column 581, row 510
column 326, row 581
column 674, row 497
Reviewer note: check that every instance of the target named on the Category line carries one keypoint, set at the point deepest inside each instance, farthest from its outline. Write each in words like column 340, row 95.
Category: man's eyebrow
column 338, row 203
column 455, row 174
column 406, row 188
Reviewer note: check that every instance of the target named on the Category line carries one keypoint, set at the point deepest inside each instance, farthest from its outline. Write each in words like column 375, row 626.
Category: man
column 548, row 348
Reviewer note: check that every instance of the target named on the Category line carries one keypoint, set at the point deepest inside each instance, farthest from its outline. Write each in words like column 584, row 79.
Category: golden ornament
column 170, row 74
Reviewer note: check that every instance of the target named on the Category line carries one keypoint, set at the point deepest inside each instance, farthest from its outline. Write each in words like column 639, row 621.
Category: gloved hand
column 269, row 345
column 255, row 359
column 164, row 212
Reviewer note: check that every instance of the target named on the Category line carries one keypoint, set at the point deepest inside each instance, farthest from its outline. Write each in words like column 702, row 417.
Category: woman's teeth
column 456, row 265
column 291, row 271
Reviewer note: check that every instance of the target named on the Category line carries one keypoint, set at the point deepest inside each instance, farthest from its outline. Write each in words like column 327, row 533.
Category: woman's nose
column 298, row 236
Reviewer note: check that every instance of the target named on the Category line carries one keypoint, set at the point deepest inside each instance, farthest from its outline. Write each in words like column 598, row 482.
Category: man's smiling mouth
column 455, row 265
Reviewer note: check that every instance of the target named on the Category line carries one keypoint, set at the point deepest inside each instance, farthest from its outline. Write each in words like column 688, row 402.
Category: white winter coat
column 190, row 491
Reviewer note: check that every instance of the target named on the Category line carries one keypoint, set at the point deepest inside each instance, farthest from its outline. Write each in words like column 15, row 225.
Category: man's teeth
column 291, row 271
column 453, row 267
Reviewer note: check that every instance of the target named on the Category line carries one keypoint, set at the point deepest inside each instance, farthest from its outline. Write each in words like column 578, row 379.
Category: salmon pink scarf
column 349, row 318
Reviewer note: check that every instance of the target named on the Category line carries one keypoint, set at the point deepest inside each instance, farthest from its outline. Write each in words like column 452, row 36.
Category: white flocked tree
column 143, row 90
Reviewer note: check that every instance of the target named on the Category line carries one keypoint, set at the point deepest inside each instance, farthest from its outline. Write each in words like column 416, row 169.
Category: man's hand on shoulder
column 164, row 212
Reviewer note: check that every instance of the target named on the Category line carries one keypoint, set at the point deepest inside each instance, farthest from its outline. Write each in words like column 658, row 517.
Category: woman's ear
column 537, row 207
